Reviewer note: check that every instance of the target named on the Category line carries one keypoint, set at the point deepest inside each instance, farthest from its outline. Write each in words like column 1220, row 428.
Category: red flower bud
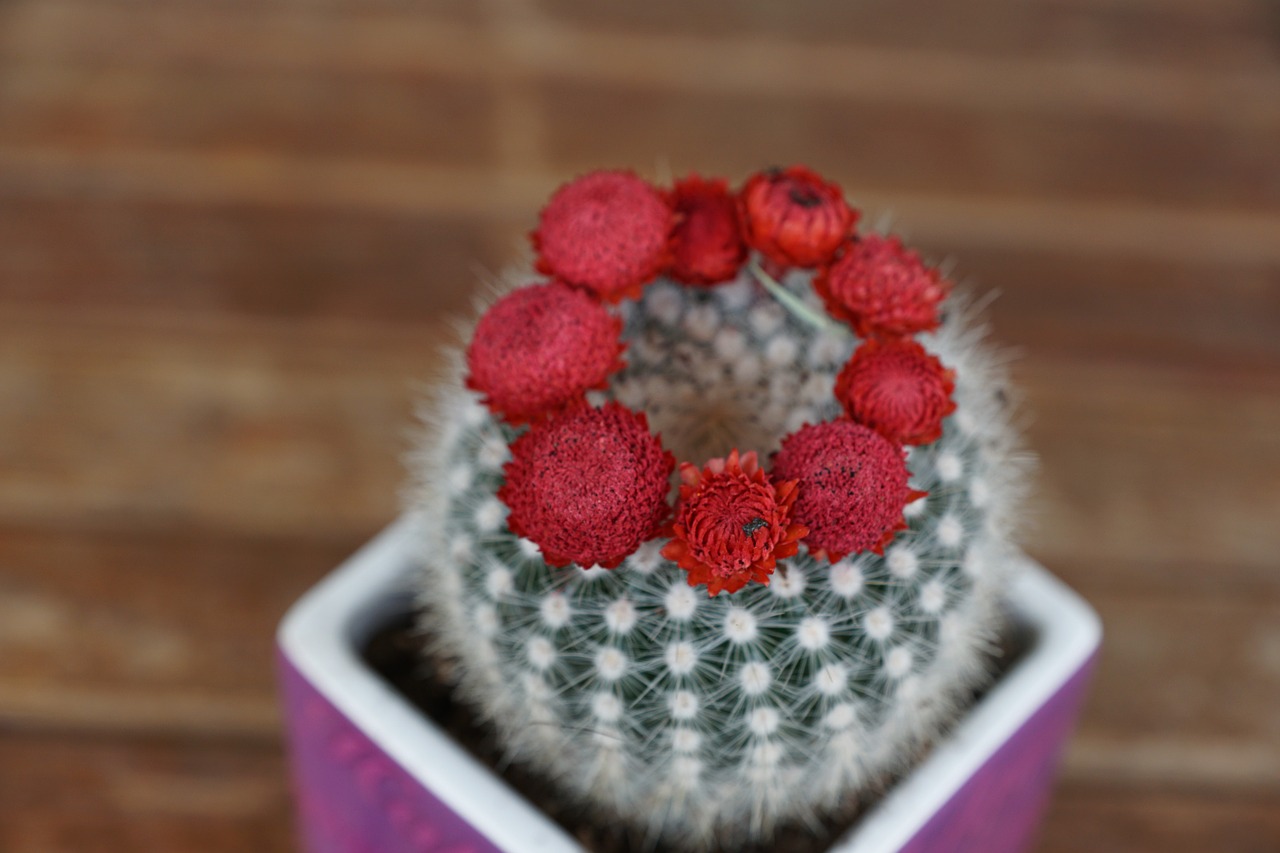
column 588, row 486
column 795, row 218
column 606, row 232
column 706, row 245
column 898, row 389
column 881, row 288
column 853, row 486
column 732, row 524
column 540, row 348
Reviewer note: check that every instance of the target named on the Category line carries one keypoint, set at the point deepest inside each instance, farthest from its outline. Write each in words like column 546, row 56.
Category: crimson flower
column 588, row 486
column 880, row 287
column 706, row 246
column 539, row 349
column 853, row 486
column 732, row 524
column 607, row 232
column 793, row 217
column 898, row 389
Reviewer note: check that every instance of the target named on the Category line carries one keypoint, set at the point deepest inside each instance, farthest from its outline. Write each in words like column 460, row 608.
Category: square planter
column 372, row 773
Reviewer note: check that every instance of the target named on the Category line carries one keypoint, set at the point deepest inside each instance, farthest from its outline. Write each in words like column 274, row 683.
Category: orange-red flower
column 795, row 218
column 588, row 486
column 732, row 524
column 607, row 232
column 706, row 246
column 853, row 486
column 880, row 287
column 898, row 389
column 540, row 348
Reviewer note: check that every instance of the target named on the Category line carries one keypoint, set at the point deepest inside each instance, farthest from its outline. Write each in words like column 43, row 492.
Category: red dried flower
column 880, row 287
column 588, row 486
column 540, row 348
column 732, row 524
column 706, row 246
column 607, row 232
column 853, row 486
column 795, row 218
column 898, row 389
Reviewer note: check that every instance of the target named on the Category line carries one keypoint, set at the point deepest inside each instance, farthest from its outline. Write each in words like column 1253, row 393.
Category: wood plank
column 1231, row 33
column 884, row 142
column 437, row 114
column 62, row 794
column 237, row 257
column 1147, row 466
column 1049, row 302
column 1185, row 692
column 1132, row 230
column 380, row 37
column 421, row 116
column 460, row 11
column 1227, row 34
column 520, row 44
column 151, row 632
column 1203, row 759
column 1112, row 818
column 248, row 428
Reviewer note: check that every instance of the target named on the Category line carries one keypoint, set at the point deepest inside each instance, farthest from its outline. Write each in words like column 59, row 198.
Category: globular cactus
column 712, row 719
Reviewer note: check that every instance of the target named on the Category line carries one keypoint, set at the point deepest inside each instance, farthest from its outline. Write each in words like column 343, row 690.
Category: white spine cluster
column 705, row 718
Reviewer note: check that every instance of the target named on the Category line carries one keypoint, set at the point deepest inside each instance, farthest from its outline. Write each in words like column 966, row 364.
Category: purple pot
column 372, row 773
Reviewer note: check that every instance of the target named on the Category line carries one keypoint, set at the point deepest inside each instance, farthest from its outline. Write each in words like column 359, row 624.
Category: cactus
column 694, row 716
column 700, row 718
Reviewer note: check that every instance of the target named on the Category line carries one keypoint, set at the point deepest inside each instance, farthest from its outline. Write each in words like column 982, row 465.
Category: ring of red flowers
column 590, row 485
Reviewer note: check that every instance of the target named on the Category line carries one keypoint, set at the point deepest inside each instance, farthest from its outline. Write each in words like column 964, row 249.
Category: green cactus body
column 700, row 718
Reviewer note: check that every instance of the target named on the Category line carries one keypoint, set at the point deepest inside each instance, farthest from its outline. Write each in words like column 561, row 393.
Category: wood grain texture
column 167, row 631
column 1186, row 692
column 222, row 428
column 1236, row 33
column 951, row 148
column 515, row 39
column 1169, row 464
column 230, row 235
column 405, row 117
column 1115, row 819
column 86, row 794
column 241, row 257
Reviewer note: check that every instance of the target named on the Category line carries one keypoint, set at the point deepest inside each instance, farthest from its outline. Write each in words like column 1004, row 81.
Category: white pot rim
column 322, row 633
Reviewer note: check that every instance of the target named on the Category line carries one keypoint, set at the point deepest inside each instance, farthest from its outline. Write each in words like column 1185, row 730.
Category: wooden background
column 229, row 231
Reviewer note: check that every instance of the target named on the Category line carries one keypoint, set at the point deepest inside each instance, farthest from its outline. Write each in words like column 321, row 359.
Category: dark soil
column 395, row 652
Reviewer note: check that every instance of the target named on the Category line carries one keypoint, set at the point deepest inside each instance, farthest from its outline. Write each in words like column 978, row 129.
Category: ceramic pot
column 372, row 773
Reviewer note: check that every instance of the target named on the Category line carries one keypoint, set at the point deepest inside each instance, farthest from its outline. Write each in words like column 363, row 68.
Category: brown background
column 228, row 233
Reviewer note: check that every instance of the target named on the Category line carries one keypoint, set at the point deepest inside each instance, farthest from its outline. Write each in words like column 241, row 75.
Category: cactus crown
column 709, row 719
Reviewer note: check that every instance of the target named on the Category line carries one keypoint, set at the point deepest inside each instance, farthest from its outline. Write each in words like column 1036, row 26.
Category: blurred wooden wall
column 229, row 232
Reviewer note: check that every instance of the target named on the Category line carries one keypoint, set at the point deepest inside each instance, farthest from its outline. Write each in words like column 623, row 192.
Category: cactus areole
column 792, row 619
